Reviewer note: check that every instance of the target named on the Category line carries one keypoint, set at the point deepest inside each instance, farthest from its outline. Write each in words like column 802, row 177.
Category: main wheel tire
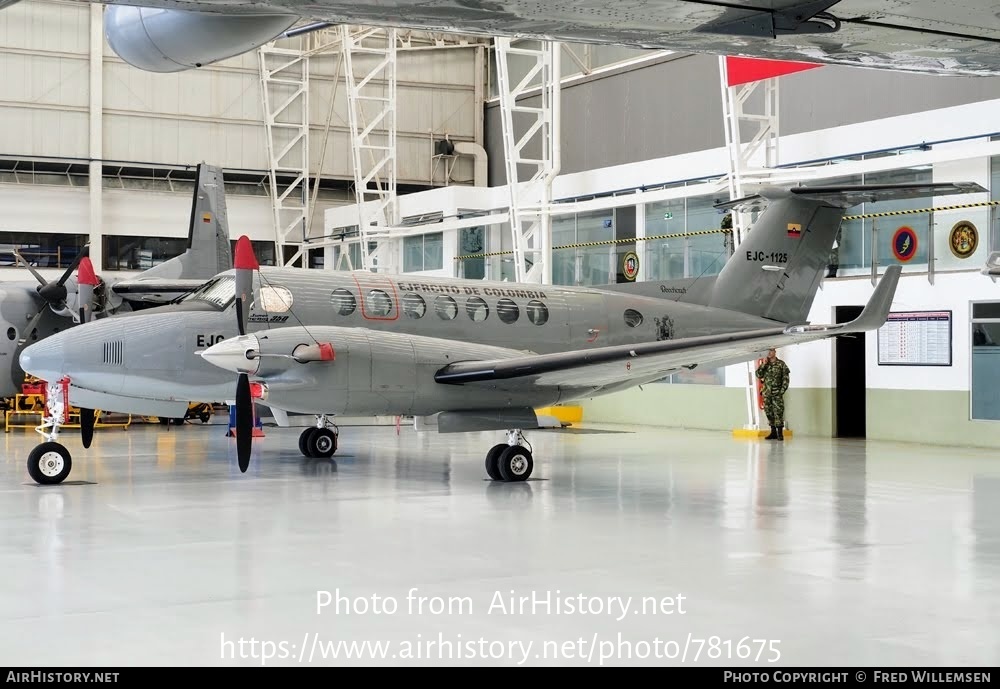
column 515, row 463
column 492, row 461
column 322, row 443
column 304, row 438
column 49, row 463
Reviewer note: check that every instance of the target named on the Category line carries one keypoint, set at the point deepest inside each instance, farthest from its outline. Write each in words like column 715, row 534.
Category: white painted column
column 96, row 151
column 640, row 245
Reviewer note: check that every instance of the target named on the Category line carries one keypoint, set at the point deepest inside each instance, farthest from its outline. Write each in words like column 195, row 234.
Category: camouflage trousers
column 774, row 409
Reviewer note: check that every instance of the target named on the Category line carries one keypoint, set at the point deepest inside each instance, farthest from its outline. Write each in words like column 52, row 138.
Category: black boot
column 781, row 433
column 831, row 271
column 774, row 434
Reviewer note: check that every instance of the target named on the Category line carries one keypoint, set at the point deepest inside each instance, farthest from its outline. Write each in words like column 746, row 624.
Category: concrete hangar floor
column 720, row 551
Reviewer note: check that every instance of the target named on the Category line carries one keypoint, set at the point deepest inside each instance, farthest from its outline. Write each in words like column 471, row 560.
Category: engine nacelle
column 160, row 40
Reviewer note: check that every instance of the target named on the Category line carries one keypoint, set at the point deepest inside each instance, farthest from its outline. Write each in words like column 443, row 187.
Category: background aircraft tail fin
column 776, row 270
column 208, row 232
column 209, row 249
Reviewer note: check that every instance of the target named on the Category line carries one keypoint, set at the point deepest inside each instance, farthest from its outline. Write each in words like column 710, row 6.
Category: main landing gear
column 510, row 461
column 50, row 462
column 320, row 441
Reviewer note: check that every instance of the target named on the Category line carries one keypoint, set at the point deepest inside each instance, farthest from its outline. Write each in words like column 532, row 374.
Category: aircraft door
column 588, row 321
column 379, row 298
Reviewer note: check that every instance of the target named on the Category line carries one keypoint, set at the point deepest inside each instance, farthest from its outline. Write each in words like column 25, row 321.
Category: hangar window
column 538, row 313
column 379, row 304
column 477, row 309
column 633, row 318
column 275, row 299
column 414, row 305
column 11, row 333
column 343, row 302
column 446, row 307
column 507, row 311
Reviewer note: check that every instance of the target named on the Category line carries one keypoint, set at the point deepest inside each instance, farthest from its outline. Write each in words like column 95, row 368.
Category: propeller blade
column 85, row 251
column 241, row 323
column 27, row 265
column 244, row 263
column 86, row 283
column 87, row 426
column 244, row 421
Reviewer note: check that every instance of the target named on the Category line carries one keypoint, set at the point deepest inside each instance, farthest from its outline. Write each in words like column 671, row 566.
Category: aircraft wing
column 641, row 363
column 925, row 36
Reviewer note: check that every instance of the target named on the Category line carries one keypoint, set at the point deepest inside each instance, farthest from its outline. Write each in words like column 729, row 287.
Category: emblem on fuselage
column 264, row 318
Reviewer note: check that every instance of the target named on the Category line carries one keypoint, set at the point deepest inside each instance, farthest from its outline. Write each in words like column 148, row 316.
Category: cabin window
column 507, row 311
column 477, row 309
column 343, row 302
column 414, row 305
column 446, row 307
column 633, row 318
column 11, row 333
column 379, row 304
column 538, row 313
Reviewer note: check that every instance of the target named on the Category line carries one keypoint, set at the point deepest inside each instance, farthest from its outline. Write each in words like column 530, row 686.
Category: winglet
column 992, row 267
column 245, row 258
column 874, row 315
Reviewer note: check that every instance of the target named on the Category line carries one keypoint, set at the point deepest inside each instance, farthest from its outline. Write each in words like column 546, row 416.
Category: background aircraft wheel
column 492, row 461
column 49, row 463
column 304, row 441
column 322, row 443
column 515, row 463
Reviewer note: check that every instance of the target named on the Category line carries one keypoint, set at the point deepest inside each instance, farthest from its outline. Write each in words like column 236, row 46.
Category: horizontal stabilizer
column 845, row 196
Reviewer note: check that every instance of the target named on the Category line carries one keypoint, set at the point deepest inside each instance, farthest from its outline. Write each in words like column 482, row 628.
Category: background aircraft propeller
column 244, row 263
column 54, row 295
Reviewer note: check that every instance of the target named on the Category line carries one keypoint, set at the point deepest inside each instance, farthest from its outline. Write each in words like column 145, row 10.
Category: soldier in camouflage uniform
column 774, row 374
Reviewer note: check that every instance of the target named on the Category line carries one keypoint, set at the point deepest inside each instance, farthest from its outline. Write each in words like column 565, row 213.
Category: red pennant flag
column 742, row 70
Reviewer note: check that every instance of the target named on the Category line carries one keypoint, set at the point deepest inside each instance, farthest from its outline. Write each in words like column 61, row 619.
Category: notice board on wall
column 915, row 338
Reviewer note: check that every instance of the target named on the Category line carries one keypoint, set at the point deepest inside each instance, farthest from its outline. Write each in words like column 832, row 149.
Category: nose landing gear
column 50, row 462
column 510, row 461
column 320, row 441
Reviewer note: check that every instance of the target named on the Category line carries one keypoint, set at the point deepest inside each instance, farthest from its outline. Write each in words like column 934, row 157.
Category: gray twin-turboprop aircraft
column 30, row 312
column 458, row 355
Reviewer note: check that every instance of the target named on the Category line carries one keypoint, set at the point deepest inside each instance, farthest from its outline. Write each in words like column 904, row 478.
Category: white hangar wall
column 131, row 126
column 214, row 113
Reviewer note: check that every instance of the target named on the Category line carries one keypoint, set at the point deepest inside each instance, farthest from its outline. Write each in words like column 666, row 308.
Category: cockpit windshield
column 219, row 292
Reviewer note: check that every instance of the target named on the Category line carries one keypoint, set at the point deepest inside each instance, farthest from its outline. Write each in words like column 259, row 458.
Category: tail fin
column 776, row 270
column 208, row 232
column 209, row 249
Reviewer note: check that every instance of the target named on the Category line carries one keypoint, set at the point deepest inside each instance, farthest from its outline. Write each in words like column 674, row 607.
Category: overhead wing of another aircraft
column 652, row 361
column 928, row 36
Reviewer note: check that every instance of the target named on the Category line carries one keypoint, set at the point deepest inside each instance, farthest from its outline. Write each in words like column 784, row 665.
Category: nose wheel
column 510, row 461
column 49, row 463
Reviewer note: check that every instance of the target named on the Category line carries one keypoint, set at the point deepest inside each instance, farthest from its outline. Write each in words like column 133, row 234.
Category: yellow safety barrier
column 571, row 414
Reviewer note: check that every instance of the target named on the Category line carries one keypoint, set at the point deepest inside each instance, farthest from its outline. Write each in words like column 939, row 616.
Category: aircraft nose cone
column 237, row 354
column 43, row 360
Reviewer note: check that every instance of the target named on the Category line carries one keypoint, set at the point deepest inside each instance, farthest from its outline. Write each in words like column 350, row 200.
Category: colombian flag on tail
column 794, row 230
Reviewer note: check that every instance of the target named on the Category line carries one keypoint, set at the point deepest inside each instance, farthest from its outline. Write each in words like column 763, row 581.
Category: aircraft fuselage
column 403, row 328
